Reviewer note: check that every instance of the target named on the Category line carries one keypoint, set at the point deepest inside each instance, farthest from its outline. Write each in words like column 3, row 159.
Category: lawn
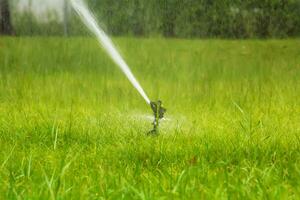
column 73, row 127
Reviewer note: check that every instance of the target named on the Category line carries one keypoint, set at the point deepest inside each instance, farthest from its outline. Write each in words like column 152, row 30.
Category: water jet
column 89, row 20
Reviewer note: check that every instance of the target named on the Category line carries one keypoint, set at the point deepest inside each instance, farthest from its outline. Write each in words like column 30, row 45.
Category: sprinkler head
column 158, row 112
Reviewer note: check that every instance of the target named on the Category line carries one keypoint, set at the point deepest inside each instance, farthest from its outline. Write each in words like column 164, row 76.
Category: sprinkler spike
column 158, row 112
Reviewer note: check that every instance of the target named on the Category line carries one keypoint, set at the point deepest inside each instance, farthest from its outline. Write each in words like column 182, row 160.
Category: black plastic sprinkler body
column 158, row 112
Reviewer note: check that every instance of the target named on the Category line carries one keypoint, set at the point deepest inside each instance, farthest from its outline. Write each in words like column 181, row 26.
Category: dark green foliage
column 5, row 21
column 189, row 18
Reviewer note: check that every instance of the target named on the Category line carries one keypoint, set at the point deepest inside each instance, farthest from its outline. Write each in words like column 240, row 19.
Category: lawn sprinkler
column 158, row 112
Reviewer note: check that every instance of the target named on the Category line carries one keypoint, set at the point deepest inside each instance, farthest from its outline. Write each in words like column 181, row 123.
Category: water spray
column 89, row 20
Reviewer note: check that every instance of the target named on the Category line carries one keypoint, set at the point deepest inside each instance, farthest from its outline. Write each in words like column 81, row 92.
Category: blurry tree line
column 5, row 21
column 176, row 18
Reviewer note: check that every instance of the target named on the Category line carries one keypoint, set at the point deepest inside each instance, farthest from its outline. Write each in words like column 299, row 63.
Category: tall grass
column 72, row 126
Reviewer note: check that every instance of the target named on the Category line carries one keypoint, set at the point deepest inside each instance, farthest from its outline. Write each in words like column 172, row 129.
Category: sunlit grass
column 72, row 126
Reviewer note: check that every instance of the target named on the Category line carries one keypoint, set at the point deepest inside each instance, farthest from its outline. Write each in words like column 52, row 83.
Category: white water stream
column 89, row 20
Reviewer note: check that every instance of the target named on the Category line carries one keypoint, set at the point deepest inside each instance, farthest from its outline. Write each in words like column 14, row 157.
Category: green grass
column 73, row 127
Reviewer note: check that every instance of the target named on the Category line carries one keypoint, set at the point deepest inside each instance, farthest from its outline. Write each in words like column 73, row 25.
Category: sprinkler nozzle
column 158, row 112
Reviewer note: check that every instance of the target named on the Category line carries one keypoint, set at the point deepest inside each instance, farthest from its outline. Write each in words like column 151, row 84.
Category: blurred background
column 166, row 18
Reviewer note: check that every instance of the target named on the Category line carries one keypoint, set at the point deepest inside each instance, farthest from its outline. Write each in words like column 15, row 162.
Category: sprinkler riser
column 158, row 113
